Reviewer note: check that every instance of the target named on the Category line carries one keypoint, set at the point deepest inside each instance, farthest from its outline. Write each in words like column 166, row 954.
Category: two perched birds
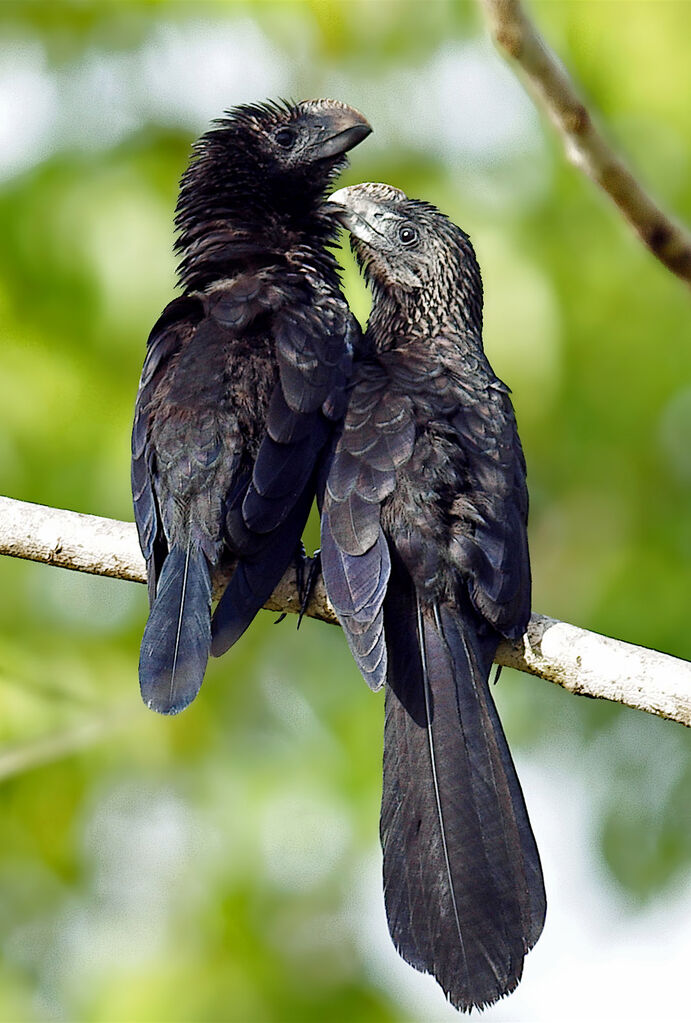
column 258, row 394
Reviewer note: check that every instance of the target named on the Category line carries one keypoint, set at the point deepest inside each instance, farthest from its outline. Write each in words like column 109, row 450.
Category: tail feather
column 177, row 638
column 533, row 904
column 462, row 879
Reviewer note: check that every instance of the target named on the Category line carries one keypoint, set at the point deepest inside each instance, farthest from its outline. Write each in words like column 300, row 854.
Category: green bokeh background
column 223, row 865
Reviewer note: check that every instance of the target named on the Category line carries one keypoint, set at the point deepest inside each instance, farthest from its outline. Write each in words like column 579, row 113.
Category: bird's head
column 288, row 145
column 315, row 134
column 259, row 172
column 409, row 250
column 398, row 241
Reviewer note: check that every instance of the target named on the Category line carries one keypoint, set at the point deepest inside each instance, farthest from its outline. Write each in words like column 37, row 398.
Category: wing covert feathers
column 378, row 436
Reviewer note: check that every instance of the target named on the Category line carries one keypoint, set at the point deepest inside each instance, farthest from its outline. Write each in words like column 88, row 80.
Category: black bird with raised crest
column 243, row 382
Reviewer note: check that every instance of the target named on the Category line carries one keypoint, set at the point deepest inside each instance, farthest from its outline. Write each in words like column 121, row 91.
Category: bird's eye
column 407, row 235
column 285, row 137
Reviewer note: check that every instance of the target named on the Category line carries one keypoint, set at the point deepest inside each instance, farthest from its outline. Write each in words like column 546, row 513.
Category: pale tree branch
column 582, row 662
column 586, row 147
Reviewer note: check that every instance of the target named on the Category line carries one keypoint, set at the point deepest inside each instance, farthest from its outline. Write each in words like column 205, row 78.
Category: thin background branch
column 586, row 147
column 583, row 662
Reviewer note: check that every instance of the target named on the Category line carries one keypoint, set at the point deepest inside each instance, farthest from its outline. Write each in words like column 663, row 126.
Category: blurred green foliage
column 207, row 867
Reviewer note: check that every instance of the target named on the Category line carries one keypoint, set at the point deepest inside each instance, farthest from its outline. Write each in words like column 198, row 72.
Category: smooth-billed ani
column 425, row 559
column 242, row 383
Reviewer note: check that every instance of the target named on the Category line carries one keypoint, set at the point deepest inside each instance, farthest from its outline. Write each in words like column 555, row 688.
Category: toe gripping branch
column 307, row 571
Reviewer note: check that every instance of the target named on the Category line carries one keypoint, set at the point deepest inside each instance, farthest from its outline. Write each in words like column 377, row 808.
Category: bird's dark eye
column 407, row 235
column 285, row 137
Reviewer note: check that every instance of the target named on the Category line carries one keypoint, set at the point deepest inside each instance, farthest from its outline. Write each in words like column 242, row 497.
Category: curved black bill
column 344, row 140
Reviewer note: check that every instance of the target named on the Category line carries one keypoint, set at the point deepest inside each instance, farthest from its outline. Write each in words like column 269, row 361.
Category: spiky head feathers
column 266, row 160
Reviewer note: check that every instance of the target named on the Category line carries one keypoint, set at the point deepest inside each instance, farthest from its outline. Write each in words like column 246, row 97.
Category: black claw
column 307, row 580
column 300, row 559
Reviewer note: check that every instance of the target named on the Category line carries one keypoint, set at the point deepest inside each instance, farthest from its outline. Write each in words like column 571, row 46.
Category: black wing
column 378, row 437
column 489, row 522
column 177, row 320
column 313, row 342
column 313, row 345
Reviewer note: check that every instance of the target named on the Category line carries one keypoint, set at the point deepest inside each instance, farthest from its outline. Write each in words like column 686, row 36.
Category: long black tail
column 463, row 884
column 177, row 638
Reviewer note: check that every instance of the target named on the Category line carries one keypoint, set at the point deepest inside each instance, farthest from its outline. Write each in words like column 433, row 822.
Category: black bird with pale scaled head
column 425, row 559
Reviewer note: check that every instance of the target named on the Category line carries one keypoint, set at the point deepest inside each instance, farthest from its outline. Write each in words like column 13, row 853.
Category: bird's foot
column 307, row 572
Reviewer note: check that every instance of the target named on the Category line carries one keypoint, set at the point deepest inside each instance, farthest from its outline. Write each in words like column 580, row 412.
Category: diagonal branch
column 582, row 662
column 585, row 145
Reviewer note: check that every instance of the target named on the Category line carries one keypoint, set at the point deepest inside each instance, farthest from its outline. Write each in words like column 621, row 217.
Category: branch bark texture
column 583, row 662
column 585, row 145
